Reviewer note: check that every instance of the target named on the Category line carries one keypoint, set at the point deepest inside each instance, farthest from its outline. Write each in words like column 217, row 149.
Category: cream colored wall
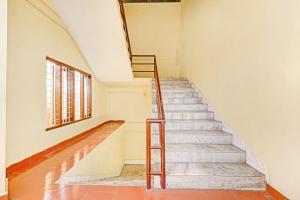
column 105, row 160
column 244, row 56
column 3, row 60
column 97, row 28
column 154, row 29
column 33, row 35
column 131, row 102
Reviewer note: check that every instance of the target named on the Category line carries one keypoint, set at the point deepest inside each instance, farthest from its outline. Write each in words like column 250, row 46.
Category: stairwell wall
column 131, row 102
column 34, row 32
column 244, row 56
column 154, row 28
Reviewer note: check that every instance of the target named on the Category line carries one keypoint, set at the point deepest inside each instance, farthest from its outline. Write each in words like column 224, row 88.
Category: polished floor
column 39, row 182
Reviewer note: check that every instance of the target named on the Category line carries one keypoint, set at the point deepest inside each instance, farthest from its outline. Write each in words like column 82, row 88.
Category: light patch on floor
column 131, row 175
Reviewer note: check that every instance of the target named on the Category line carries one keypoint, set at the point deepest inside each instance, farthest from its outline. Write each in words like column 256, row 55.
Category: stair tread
column 192, row 132
column 211, row 169
column 187, row 111
column 192, row 120
column 203, row 148
column 182, row 104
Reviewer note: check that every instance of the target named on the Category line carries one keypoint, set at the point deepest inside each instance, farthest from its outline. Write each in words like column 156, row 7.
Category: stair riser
column 175, row 90
column 195, row 138
column 170, row 82
column 205, row 126
column 213, row 182
column 187, row 100
column 196, row 156
column 192, row 107
column 171, row 86
column 172, row 79
column 177, row 94
column 187, row 115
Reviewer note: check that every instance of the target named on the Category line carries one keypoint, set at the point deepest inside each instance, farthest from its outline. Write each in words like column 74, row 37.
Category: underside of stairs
column 199, row 154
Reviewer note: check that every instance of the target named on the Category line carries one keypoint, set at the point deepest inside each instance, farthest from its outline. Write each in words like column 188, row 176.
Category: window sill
column 62, row 125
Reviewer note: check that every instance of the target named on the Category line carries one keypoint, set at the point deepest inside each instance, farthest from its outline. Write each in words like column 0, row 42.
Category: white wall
column 244, row 56
column 3, row 56
column 33, row 35
column 154, row 28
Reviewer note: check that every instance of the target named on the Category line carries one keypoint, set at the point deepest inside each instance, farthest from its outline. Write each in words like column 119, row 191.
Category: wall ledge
column 39, row 157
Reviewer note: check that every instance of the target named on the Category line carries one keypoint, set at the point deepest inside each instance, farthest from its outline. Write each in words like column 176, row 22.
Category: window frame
column 82, row 110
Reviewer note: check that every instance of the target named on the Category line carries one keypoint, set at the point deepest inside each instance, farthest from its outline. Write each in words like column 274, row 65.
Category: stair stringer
column 251, row 159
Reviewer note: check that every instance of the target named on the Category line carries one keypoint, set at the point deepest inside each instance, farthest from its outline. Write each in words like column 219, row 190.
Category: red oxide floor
column 38, row 182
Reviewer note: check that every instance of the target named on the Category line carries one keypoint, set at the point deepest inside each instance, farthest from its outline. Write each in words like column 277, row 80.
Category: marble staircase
column 199, row 154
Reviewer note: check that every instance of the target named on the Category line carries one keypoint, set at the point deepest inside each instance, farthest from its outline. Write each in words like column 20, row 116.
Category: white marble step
column 213, row 176
column 186, row 100
column 196, row 137
column 178, row 85
column 178, row 94
column 203, row 153
column 182, row 107
column 204, row 125
column 183, row 100
column 171, row 79
column 171, row 82
column 186, row 114
column 175, row 89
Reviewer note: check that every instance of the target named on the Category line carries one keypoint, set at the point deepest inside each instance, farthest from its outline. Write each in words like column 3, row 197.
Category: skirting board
column 275, row 194
column 43, row 155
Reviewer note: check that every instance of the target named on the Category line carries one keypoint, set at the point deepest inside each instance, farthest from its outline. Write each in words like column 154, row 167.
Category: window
column 69, row 94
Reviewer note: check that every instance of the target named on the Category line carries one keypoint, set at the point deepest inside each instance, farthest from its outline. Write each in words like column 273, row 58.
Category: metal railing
column 142, row 61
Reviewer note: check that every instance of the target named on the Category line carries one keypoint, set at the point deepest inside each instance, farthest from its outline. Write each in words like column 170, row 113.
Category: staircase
column 199, row 155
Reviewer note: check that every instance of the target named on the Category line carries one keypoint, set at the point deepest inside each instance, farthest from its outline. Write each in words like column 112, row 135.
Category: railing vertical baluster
column 163, row 160
column 148, row 154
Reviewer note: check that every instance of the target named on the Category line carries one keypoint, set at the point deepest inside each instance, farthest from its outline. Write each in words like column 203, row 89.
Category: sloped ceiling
column 96, row 26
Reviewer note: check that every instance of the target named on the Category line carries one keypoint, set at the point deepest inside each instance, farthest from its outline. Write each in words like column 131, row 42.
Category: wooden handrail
column 160, row 120
column 123, row 16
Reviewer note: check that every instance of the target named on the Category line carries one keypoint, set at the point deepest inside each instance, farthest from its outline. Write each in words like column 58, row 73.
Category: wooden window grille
column 69, row 94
